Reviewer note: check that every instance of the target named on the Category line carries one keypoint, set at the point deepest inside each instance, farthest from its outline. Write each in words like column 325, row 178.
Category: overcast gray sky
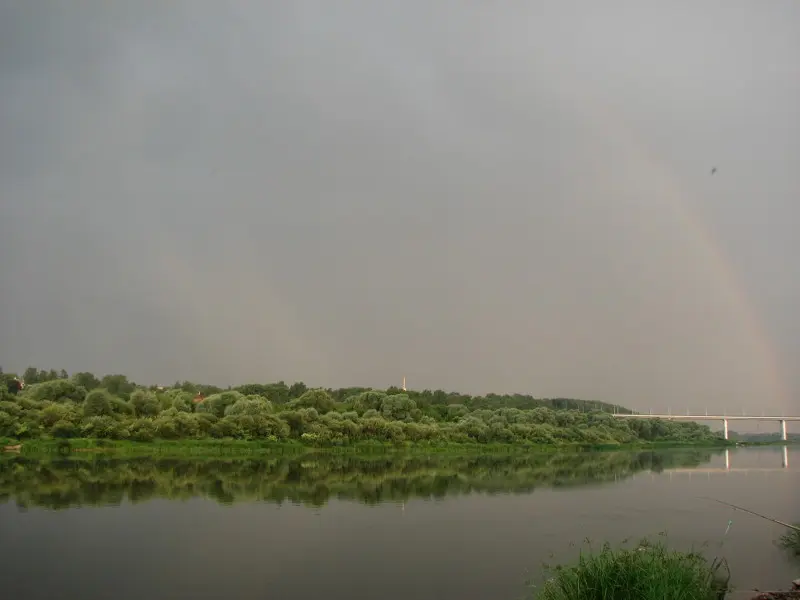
column 505, row 196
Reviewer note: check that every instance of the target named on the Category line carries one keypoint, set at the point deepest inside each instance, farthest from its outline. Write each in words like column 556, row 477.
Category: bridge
column 707, row 417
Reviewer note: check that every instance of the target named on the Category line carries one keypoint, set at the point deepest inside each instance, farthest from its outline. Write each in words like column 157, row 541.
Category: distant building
column 198, row 399
column 15, row 385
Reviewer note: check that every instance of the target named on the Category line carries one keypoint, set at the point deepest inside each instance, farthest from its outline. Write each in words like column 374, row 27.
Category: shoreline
column 256, row 447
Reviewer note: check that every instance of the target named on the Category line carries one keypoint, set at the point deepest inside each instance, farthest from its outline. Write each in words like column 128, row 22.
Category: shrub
column 103, row 426
column 791, row 541
column 649, row 572
column 57, row 390
column 143, row 430
column 251, row 405
column 144, row 403
column 97, row 403
column 316, row 399
column 64, row 429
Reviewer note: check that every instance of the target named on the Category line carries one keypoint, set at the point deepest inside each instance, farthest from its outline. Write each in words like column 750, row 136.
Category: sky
column 479, row 197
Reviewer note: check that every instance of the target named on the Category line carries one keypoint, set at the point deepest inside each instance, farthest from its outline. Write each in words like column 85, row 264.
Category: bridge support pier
column 783, row 430
column 725, row 428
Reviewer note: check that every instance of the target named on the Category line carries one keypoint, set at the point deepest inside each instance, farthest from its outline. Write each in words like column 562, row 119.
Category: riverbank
column 210, row 447
column 793, row 595
column 649, row 572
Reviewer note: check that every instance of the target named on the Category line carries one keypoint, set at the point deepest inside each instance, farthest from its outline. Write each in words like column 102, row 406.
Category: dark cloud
column 505, row 198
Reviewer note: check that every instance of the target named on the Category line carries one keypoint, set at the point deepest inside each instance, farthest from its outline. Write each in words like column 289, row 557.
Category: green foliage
column 55, row 412
column 86, row 380
column 56, row 390
column 251, row 405
column 144, row 403
column 367, row 400
column 649, row 572
column 318, row 399
column 183, row 402
column 64, row 429
column 98, row 403
column 103, row 427
column 217, row 403
column 58, row 406
column 118, row 385
column 32, row 375
column 143, row 430
column 791, row 541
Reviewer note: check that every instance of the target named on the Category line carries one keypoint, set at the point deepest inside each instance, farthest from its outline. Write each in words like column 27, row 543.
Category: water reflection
column 503, row 516
column 313, row 479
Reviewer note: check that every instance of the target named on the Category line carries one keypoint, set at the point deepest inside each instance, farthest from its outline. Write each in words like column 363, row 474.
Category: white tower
column 404, row 384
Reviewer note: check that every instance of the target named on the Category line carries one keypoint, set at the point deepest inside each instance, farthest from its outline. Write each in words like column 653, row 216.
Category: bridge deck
column 709, row 417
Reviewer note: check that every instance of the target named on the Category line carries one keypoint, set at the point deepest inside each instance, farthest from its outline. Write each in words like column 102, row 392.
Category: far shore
column 231, row 447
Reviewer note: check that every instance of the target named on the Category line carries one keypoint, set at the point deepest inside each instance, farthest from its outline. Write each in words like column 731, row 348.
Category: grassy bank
column 211, row 447
column 647, row 572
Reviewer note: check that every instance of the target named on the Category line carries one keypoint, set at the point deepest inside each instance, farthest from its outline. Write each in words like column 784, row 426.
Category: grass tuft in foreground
column 791, row 541
column 649, row 572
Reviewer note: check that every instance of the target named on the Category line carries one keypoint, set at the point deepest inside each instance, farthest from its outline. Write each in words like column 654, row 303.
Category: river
column 427, row 528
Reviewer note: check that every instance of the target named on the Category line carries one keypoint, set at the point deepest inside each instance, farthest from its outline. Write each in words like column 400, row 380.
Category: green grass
column 791, row 541
column 648, row 572
column 231, row 447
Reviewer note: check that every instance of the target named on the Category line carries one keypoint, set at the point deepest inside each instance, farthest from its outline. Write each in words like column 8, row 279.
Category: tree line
column 53, row 404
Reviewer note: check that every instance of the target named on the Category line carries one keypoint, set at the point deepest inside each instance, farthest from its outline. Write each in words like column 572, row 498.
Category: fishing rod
column 794, row 527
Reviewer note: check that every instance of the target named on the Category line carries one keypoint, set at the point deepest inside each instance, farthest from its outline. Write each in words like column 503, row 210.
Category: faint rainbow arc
column 614, row 126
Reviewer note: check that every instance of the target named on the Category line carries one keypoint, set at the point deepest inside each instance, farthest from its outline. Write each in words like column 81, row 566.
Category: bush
column 120, row 407
column 143, row 430
column 217, row 403
column 12, row 408
column 57, row 390
column 251, row 405
column 791, row 541
column 103, row 426
column 98, row 403
column 320, row 400
column 8, row 424
column 649, row 572
column 144, row 403
column 64, row 429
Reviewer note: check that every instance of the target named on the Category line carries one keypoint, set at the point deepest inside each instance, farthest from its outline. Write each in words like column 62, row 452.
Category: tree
column 56, row 390
column 397, row 407
column 86, row 380
column 144, row 403
column 97, row 403
column 251, row 405
column 318, row 399
column 31, row 375
column 297, row 389
column 117, row 385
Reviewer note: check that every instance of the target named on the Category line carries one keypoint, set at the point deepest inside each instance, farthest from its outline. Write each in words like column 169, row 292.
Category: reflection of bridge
column 707, row 417
column 728, row 469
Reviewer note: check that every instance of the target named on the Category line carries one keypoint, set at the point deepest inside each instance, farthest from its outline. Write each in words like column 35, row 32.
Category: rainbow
column 677, row 201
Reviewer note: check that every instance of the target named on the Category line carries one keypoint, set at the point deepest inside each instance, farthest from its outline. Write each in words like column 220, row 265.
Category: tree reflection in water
column 313, row 479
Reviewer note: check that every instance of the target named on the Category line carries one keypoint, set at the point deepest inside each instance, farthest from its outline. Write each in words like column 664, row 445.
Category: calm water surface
column 314, row 527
